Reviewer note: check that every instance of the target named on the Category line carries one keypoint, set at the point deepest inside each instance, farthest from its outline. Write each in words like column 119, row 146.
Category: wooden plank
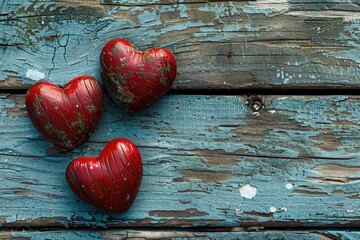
column 218, row 45
column 123, row 234
column 329, row 4
column 208, row 161
column 155, row 2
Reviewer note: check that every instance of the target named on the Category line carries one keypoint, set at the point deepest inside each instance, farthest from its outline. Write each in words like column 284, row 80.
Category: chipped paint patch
column 289, row 186
column 35, row 75
column 346, row 16
column 272, row 209
column 178, row 213
column 353, row 54
column 276, row 6
column 204, row 176
column 265, row 11
column 336, row 174
column 248, row 191
column 213, row 158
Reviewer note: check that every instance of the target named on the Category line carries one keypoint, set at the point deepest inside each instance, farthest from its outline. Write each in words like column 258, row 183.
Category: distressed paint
column 314, row 148
column 322, row 127
column 241, row 44
column 299, row 153
column 138, row 234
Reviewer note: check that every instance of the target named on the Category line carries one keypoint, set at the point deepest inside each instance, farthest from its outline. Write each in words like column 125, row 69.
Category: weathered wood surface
column 259, row 44
column 147, row 235
column 208, row 161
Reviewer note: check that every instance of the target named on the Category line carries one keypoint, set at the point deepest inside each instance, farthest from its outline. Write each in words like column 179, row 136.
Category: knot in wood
column 255, row 103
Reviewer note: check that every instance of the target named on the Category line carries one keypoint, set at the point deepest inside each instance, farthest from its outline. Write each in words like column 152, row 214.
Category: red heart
column 111, row 181
column 66, row 117
column 136, row 79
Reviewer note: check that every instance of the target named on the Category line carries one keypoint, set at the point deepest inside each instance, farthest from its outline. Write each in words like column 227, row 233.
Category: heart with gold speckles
column 111, row 181
column 66, row 117
column 136, row 79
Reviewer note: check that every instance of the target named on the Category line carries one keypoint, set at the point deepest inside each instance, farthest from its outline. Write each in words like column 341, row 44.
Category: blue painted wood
column 208, row 161
column 263, row 43
column 113, row 234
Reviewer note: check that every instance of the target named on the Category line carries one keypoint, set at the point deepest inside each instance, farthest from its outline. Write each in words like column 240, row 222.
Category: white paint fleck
column 286, row 77
column 350, row 211
column 318, row 28
column 248, row 191
column 272, row 209
column 35, row 75
column 272, row 111
column 237, row 211
column 284, row 209
column 289, row 186
column 77, row 105
column 184, row 81
column 312, row 76
column 42, row 22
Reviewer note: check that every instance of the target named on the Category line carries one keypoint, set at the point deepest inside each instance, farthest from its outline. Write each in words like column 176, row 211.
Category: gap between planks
column 193, row 229
column 315, row 91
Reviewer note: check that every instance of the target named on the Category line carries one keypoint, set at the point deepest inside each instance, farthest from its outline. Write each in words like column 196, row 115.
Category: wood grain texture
column 208, row 161
column 167, row 235
column 218, row 45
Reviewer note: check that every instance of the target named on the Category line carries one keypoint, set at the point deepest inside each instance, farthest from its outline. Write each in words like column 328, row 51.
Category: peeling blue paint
column 183, row 9
column 62, row 45
column 183, row 234
column 219, row 9
column 352, row 33
column 353, row 54
column 269, row 151
column 253, row 10
column 149, row 17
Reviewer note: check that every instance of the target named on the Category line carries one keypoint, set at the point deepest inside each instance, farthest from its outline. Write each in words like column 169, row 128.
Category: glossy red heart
column 136, row 79
column 66, row 117
column 111, row 181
